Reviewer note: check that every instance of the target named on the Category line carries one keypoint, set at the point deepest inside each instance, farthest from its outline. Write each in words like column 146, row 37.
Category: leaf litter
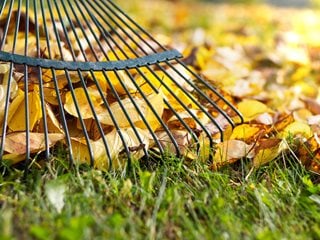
column 266, row 66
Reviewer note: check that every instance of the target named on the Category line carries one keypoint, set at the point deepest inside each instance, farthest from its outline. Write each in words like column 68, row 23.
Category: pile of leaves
column 267, row 68
column 98, row 115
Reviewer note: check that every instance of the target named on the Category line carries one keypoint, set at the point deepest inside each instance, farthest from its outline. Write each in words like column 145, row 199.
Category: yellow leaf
column 232, row 150
column 245, row 132
column 17, row 119
column 159, row 80
column 250, row 109
column 15, row 143
column 155, row 99
column 297, row 129
column 13, row 158
column 115, row 145
column 82, row 102
column 115, row 78
column 266, row 151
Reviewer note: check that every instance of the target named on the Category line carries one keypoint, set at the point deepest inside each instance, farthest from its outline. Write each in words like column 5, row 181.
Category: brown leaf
column 16, row 142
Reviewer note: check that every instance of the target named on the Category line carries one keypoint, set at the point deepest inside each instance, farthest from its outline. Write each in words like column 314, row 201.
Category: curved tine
column 139, row 111
column 75, row 33
column 103, row 33
column 122, row 29
column 83, row 82
column 115, row 32
column 95, row 116
column 43, row 107
column 199, row 91
column 6, row 28
column 56, row 33
column 56, row 87
column 106, row 104
column 65, row 31
column 6, row 109
column 101, row 93
column 84, row 130
column 194, row 137
column 115, row 93
column 208, row 85
column 91, row 30
column 92, row 108
column 186, row 107
column 83, row 30
column 26, row 90
column 4, row 2
column 136, row 24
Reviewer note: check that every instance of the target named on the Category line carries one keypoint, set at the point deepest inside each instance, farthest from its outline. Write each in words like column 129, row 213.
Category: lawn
column 277, row 197
column 171, row 200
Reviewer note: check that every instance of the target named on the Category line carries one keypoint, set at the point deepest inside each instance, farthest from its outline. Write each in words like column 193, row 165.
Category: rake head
column 85, row 76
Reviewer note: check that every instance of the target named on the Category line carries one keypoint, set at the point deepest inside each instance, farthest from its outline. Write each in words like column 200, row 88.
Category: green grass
column 172, row 200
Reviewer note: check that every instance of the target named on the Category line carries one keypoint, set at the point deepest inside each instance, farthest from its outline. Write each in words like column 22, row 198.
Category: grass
column 171, row 200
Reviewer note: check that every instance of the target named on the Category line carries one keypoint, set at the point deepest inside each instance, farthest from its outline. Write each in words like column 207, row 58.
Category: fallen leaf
column 16, row 142
column 251, row 109
column 266, row 151
column 231, row 151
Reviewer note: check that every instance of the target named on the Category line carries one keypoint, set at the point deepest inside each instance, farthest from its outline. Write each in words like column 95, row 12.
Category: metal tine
column 112, row 88
column 6, row 109
column 198, row 90
column 6, row 28
column 115, row 93
column 188, row 94
column 124, row 53
column 148, row 67
column 128, row 93
column 96, row 11
column 84, row 86
column 209, row 86
column 91, row 30
column 134, row 31
column 55, row 81
column 43, row 106
column 115, row 19
column 192, row 85
column 3, row 4
column 26, row 86
column 106, row 104
column 84, row 130
column 174, row 142
column 151, row 107
column 181, row 62
column 136, row 24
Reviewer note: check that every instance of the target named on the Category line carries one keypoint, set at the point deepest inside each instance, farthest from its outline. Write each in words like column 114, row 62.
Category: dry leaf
column 15, row 143
column 232, row 150
column 266, row 151
column 251, row 109
column 17, row 112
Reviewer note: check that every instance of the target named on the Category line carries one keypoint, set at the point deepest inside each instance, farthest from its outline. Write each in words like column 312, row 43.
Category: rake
column 85, row 76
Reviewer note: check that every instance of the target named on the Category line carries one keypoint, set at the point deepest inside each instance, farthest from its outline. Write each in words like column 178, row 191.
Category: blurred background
column 292, row 3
